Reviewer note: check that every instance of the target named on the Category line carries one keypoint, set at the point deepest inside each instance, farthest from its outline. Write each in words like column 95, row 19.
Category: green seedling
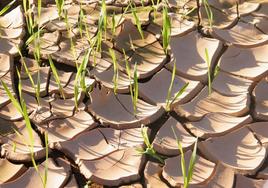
column 136, row 89
column 166, row 30
column 134, row 103
column 169, row 102
column 60, row 5
column 36, row 89
column 80, row 77
column 69, row 29
column 113, row 24
column 116, row 70
column 149, row 147
column 80, row 20
column 46, row 162
column 102, row 25
column 216, row 71
column 137, row 21
column 208, row 12
column 28, row 16
column 7, row 7
column 56, row 76
column 209, row 76
column 187, row 175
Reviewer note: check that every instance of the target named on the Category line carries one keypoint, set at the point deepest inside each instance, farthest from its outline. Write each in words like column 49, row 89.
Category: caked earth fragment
column 117, row 110
column 189, row 54
column 202, row 171
column 260, row 131
column 152, row 173
column 261, row 100
column 245, row 154
column 217, row 124
column 244, row 35
column 10, row 171
column 243, row 181
column 165, row 140
column 60, row 130
column 250, row 63
column 57, row 176
column 204, row 103
column 232, row 85
column 106, row 156
column 156, row 89
column 20, row 148
column 12, row 31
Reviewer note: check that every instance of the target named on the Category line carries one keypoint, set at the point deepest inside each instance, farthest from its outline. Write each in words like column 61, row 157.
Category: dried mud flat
column 96, row 143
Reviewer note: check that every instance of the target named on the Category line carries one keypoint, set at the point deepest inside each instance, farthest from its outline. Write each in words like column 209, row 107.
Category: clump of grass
column 166, row 30
column 209, row 76
column 149, row 147
column 187, row 175
column 169, row 102
column 56, row 76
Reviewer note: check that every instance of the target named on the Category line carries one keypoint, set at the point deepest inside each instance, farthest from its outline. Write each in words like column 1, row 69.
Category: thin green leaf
column 180, row 92
column 192, row 163
column 136, row 88
column 12, row 98
column 56, row 76
column 209, row 76
column 183, row 168
column 46, row 163
column 137, row 21
column 7, row 7
column 166, row 30
column 116, row 72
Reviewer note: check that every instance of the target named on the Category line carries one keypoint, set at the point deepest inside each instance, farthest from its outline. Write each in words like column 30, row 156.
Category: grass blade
column 170, row 87
column 136, row 89
column 116, row 72
column 7, row 7
column 137, row 21
column 166, row 30
column 209, row 76
column 192, row 163
column 183, row 168
column 56, row 76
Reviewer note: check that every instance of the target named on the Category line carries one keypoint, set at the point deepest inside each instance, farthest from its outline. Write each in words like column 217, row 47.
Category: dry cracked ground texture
column 98, row 142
